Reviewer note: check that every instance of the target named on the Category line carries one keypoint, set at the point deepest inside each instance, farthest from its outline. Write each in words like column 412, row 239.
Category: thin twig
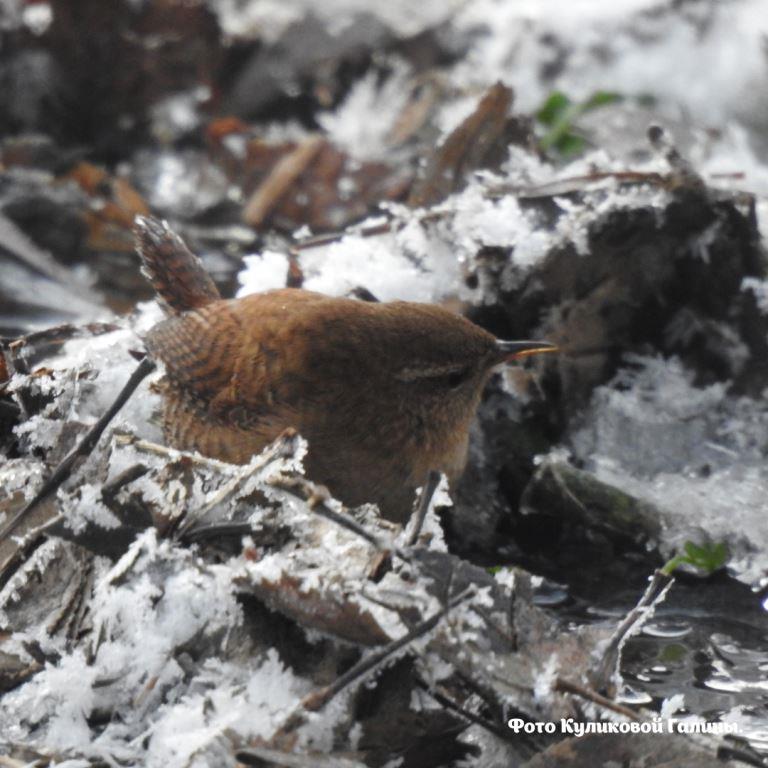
column 215, row 530
column 59, row 334
column 566, row 186
column 26, row 548
column 76, row 621
column 83, row 449
column 11, row 762
column 126, row 514
column 284, row 445
column 23, row 249
column 318, row 699
column 569, row 686
column 315, row 498
column 380, row 228
column 155, row 449
column 318, row 241
column 506, row 635
column 448, row 703
column 282, row 177
column 14, row 362
column 425, row 501
column 654, row 593
column 71, row 602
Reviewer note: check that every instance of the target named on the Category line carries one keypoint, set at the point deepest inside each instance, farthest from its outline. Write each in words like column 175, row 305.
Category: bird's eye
column 457, row 378
column 443, row 377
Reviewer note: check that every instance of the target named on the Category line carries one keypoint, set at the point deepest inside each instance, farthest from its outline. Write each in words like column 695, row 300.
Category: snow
column 391, row 266
column 350, row 126
column 696, row 453
column 179, row 183
column 707, row 61
column 268, row 19
column 246, row 704
column 83, row 505
column 63, row 694
column 107, row 360
column 154, row 601
column 426, row 254
column 759, row 288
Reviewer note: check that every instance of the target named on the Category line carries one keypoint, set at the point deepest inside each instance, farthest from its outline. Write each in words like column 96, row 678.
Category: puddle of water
column 708, row 641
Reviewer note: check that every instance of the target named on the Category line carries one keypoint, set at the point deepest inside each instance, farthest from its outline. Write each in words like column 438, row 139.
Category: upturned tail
column 177, row 275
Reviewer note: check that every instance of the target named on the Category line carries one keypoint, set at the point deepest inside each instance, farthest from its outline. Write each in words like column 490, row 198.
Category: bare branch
column 82, row 450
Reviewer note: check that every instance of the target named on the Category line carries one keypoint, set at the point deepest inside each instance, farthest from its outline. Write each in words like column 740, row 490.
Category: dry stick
column 41, row 261
column 14, row 362
column 315, row 701
column 155, row 449
column 549, row 189
column 306, row 491
column 568, row 686
column 83, row 449
column 280, row 180
column 506, row 635
column 110, row 490
column 427, row 494
column 448, row 703
column 317, row 241
column 32, row 540
column 71, row 603
column 382, row 228
column 565, row 185
column 656, row 590
column 299, row 487
column 231, row 487
column 75, row 624
column 215, row 530
column 10, row 762
column 59, row 334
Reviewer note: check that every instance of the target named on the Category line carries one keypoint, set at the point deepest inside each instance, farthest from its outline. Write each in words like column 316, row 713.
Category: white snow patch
column 651, row 49
column 696, row 453
column 760, row 290
column 351, row 127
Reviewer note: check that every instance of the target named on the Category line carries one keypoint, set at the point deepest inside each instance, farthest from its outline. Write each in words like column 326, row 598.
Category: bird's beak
column 515, row 350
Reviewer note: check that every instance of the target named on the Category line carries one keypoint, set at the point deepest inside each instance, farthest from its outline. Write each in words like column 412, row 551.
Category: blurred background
column 249, row 123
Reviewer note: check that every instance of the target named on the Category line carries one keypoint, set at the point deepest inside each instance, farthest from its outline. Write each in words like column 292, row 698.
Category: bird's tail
column 177, row 275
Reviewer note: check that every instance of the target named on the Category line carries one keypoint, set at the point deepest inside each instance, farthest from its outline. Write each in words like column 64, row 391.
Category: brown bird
column 383, row 392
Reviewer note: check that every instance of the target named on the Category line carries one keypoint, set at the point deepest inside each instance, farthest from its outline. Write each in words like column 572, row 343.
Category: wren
column 382, row 392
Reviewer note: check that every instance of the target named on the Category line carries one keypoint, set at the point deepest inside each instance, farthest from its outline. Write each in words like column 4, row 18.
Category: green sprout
column 558, row 115
column 707, row 557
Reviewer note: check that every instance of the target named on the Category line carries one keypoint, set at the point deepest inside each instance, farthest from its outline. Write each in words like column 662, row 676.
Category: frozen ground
column 696, row 452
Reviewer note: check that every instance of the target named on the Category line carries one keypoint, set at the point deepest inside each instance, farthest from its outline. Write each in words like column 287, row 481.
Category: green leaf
column 570, row 144
column 707, row 557
column 559, row 113
column 692, row 551
column 601, row 99
column 553, row 108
